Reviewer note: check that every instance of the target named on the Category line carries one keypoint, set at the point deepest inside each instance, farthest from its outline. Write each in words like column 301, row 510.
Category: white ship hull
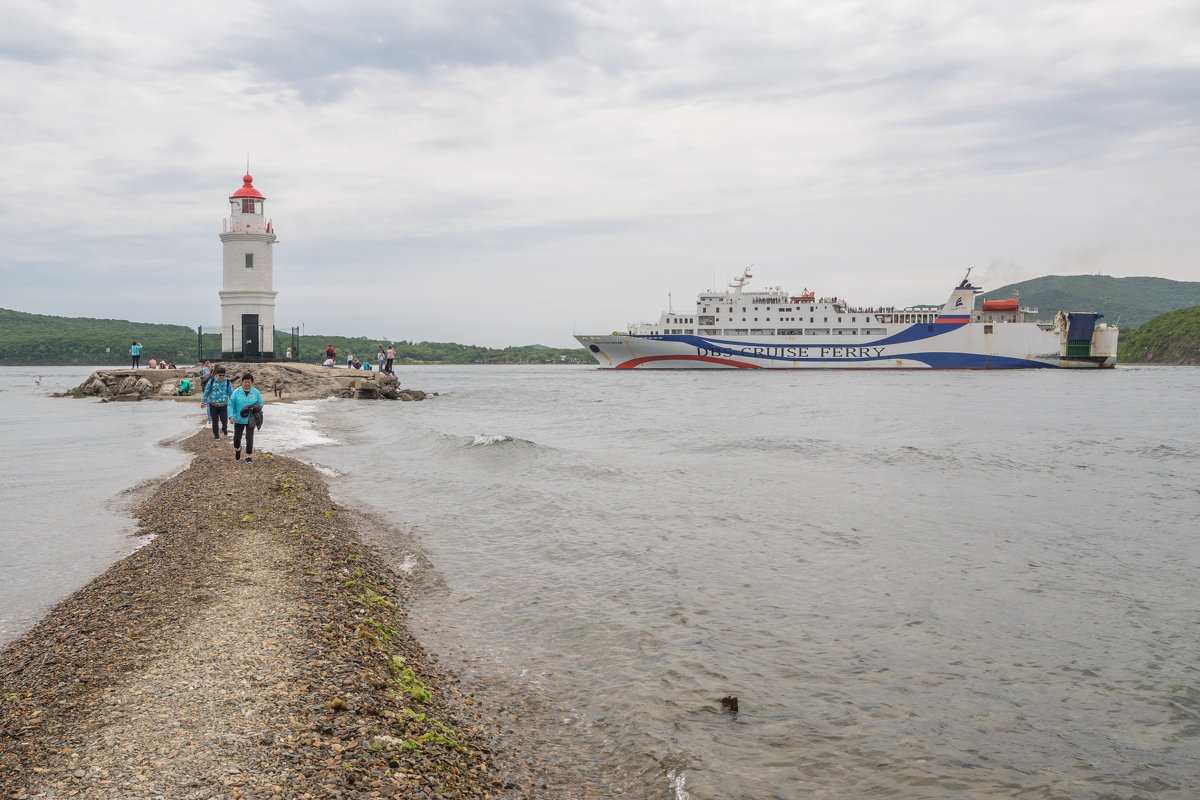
column 1016, row 346
column 845, row 337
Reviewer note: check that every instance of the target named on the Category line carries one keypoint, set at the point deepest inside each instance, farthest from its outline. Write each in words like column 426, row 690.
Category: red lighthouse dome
column 247, row 189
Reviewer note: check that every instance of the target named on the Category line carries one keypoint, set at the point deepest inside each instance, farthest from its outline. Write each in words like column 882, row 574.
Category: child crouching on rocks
column 245, row 406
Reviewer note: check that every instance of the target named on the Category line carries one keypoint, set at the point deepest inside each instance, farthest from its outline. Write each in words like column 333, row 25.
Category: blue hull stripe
column 937, row 360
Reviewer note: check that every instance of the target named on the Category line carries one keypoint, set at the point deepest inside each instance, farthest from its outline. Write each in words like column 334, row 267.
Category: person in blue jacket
column 243, row 403
column 216, row 398
column 135, row 355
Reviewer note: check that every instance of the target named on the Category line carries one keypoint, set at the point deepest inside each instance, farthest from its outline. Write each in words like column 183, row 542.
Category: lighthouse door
column 250, row 342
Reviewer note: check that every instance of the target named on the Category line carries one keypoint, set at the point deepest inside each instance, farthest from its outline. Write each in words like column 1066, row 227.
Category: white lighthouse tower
column 247, row 299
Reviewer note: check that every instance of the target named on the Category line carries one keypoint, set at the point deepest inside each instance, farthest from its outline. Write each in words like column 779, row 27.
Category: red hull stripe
column 633, row 362
column 952, row 320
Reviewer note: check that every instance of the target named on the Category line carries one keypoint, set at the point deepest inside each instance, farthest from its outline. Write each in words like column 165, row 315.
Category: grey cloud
column 313, row 50
column 1072, row 121
column 37, row 35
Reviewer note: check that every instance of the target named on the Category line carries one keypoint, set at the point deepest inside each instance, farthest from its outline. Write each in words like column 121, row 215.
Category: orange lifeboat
column 1000, row 305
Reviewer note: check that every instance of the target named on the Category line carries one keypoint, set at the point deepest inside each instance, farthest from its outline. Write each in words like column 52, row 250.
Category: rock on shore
column 297, row 382
column 255, row 648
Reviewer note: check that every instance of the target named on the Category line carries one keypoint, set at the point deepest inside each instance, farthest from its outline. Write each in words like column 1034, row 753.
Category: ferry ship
column 772, row 329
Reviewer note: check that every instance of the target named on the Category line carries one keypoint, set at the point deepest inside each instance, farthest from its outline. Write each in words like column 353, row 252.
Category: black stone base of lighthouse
column 261, row 357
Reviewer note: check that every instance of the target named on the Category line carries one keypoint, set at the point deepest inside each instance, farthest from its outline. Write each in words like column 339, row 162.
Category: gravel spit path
column 255, row 648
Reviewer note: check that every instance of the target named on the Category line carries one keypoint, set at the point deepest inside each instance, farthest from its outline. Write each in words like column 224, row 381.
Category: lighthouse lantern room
column 247, row 296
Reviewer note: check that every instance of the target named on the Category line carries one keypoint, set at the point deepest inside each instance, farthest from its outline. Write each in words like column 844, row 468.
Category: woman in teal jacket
column 241, row 404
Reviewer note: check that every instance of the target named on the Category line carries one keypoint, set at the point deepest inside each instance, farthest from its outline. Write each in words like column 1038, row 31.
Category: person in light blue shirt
column 244, row 401
column 135, row 355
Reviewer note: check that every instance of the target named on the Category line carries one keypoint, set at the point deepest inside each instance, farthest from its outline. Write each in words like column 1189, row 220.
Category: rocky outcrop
column 294, row 382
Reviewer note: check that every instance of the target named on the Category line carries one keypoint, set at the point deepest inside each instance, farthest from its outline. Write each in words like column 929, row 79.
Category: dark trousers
column 135, row 359
column 388, row 367
column 238, row 427
column 219, row 416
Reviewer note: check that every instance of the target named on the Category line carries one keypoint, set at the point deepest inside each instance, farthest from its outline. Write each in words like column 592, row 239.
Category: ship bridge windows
column 735, row 331
column 845, row 331
column 816, row 331
column 762, row 331
column 791, row 332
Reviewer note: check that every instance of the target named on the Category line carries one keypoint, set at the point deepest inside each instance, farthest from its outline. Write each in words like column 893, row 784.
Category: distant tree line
column 39, row 339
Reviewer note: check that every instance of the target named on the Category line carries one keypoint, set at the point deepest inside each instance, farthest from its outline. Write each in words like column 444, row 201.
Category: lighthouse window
column 248, row 206
column 249, row 260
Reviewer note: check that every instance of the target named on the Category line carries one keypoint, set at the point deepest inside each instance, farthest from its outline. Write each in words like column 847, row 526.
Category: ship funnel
column 961, row 303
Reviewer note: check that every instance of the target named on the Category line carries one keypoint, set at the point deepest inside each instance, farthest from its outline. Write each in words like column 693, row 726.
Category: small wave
column 141, row 486
column 144, row 540
column 676, row 781
column 328, row 472
column 485, row 440
column 297, row 425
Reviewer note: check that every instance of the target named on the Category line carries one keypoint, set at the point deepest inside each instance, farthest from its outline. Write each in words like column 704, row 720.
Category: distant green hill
column 1128, row 302
column 1171, row 338
column 40, row 339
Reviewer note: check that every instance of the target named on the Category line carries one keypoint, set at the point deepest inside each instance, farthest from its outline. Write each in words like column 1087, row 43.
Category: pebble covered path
column 254, row 648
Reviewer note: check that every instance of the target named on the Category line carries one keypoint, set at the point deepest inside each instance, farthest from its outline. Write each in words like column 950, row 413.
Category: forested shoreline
column 28, row 339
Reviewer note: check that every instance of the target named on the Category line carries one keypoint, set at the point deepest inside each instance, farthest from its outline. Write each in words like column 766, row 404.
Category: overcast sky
column 512, row 172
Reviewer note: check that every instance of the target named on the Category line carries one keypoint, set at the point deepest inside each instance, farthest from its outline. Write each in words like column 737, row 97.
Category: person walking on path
column 135, row 354
column 216, row 397
column 243, row 404
column 205, row 372
column 380, row 357
column 391, row 356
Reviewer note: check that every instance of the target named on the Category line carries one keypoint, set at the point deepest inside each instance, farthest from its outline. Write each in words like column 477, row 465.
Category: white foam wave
column 144, row 540
column 486, row 439
column 483, row 439
column 676, row 781
column 294, row 426
column 408, row 565
column 328, row 472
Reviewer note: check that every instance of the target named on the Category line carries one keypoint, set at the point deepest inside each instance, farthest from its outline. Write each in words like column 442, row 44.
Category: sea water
column 70, row 474
column 917, row 584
